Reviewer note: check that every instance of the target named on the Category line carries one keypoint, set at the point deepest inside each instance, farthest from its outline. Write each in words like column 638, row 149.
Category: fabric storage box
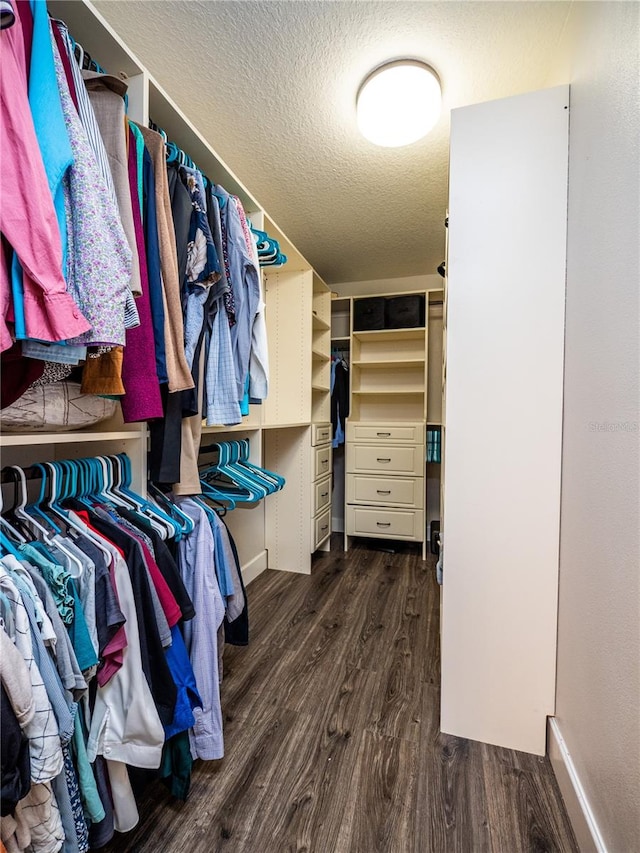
column 368, row 314
column 404, row 312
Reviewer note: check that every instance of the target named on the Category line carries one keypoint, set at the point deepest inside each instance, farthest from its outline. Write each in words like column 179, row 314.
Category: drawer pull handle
column 324, row 461
column 383, row 523
column 383, row 460
column 383, row 434
column 324, row 494
column 324, row 527
column 383, row 491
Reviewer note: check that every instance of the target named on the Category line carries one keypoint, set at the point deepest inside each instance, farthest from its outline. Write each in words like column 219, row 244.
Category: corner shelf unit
column 394, row 391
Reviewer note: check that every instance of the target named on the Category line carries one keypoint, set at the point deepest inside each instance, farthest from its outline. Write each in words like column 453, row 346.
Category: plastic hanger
column 9, row 533
column 239, row 484
column 187, row 524
column 165, row 525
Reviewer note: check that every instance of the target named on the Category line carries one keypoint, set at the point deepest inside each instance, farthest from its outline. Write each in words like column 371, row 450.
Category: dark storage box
column 404, row 312
column 368, row 314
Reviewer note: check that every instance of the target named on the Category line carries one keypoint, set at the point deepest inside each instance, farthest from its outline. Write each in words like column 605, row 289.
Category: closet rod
column 8, row 474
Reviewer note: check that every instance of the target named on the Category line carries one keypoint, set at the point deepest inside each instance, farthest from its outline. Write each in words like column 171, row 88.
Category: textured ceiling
column 272, row 86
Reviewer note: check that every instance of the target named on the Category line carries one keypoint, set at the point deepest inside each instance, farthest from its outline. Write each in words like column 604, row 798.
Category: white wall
column 598, row 681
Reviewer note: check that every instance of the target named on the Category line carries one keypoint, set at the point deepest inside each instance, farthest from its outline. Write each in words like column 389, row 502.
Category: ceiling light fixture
column 398, row 103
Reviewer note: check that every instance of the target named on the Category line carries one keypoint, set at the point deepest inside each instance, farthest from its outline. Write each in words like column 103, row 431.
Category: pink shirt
column 27, row 216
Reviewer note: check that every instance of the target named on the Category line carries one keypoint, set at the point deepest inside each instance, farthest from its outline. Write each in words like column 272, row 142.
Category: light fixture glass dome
column 398, row 103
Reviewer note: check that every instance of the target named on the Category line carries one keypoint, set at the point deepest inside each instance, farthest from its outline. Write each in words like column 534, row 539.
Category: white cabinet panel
column 505, row 340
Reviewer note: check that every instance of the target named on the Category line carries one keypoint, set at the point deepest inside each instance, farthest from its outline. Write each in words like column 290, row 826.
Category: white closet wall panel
column 289, row 308
column 505, row 318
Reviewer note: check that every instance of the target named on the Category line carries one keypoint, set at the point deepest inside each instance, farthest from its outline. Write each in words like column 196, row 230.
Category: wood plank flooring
column 331, row 733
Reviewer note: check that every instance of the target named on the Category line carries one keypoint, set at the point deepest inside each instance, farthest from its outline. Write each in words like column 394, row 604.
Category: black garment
column 165, row 562
column 16, row 770
column 237, row 632
column 181, row 210
column 340, row 397
column 165, row 440
column 154, row 663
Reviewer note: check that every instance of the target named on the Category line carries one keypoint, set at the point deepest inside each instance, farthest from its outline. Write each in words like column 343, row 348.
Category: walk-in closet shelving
column 395, row 392
column 280, row 531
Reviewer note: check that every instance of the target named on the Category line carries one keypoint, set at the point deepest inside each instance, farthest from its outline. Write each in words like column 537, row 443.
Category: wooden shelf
column 390, row 393
column 320, row 356
column 324, row 388
column 320, row 325
column 392, row 334
column 37, row 438
column 207, row 430
column 389, row 363
column 341, row 338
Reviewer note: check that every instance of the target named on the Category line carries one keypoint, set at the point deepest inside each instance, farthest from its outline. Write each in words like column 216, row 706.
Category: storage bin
column 404, row 312
column 368, row 314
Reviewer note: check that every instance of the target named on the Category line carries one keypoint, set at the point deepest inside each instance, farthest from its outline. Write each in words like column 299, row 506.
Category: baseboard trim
column 580, row 814
column 254, row 567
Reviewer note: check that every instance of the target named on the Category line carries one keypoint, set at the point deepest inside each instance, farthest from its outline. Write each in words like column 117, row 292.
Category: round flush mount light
column 398, row 103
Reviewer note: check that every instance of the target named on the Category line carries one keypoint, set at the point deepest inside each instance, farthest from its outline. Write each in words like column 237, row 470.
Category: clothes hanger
column 29, row 525
column 187, row 524
column 165, row 525
column 245, row 448
column 8, row 532
column 237, row 484
column 62, row 480
column 239, row 462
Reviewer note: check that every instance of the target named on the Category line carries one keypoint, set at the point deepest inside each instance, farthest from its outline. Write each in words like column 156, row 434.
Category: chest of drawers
column 385, row 481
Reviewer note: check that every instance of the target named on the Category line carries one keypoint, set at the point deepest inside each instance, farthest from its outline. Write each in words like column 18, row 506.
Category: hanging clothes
column 339, row 399
column 27, row 216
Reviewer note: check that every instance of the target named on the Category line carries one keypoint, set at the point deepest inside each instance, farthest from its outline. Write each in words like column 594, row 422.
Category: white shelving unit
column 394, row 384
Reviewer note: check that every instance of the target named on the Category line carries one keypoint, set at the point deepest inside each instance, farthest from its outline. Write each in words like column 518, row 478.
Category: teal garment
column 53, row 140
column 175, row 769
column 79, row 633
column 244, row 403
column 135, row 130
column 55, row 575
column 92, row 804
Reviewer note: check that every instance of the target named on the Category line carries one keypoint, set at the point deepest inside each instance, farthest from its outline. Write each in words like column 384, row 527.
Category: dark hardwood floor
column 331, row 733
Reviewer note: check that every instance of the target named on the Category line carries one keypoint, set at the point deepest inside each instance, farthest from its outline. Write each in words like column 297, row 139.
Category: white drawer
column 321, row 461
column 380, row 433
column 320, row 434
column 385, row 459
column 394, row 491
column 322, row 495
column 322, row 528
column 385, row 523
